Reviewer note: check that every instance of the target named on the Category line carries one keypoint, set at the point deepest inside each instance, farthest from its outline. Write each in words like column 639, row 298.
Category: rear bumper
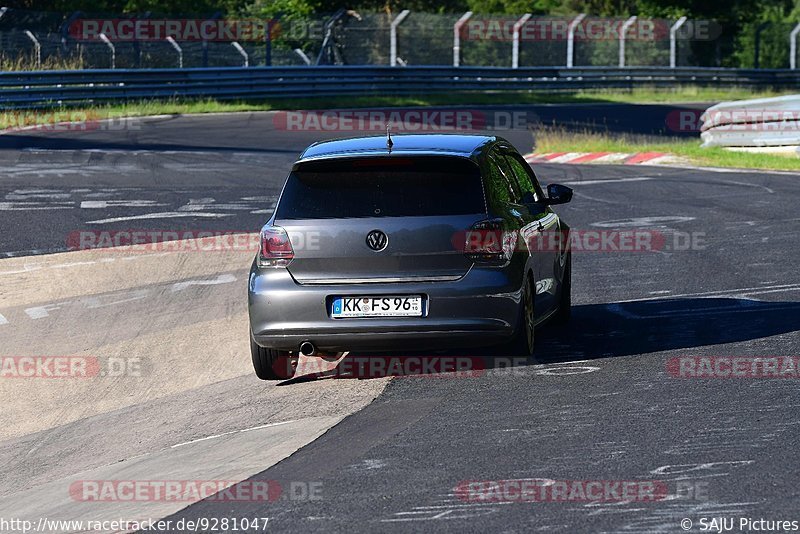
column 481, row 308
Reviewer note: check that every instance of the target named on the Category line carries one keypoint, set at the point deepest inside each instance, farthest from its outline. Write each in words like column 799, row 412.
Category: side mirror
column 558, row 194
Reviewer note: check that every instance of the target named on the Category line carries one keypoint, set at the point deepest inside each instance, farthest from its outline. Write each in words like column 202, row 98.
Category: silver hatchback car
column 417, row 242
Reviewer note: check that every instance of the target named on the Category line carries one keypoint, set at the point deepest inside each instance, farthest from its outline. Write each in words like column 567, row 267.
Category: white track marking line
column 731, row 170
column 68, row 265
column 612, row 181
column 30, row 206
column 27, row 269
column 221, row 279
column 736, row 291
column 232, row 432
column 448, row 506
column 105, row 204
column 165, row 215
column 742, row 295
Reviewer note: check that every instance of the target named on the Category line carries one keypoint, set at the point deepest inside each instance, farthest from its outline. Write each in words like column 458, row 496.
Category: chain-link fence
column 31, row 40
column 19, row 52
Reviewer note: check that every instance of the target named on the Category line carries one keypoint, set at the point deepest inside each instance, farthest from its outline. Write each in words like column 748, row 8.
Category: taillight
column 488, row 242
column 276, row 248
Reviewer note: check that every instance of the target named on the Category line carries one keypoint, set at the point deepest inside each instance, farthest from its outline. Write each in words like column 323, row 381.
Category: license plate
column 377, row 307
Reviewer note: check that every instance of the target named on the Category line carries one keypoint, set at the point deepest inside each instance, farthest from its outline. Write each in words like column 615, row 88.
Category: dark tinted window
column 496, row 183
column 503, row 185
column 524, row 175
column 382, row 187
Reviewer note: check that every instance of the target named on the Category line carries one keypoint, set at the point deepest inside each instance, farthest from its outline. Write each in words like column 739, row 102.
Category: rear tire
column 565, row 298
column 270, row 364
column 524, row 337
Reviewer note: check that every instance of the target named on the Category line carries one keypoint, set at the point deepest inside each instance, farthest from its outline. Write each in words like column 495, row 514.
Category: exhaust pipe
column 307, row 348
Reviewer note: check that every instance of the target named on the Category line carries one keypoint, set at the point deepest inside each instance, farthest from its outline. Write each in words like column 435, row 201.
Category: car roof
column 466, row 146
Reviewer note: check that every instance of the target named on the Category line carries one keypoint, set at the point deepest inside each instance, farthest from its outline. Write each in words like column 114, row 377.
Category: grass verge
column 688, row 149
column 11, row 119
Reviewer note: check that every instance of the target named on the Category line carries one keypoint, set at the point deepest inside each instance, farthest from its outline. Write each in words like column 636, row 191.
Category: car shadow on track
column 596, row 331
column 647, row 326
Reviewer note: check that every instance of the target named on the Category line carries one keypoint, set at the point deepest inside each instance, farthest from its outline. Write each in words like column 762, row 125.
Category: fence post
column 107, row 41
column 2, row 12
column 393, row 36
column 36, row 47
column 457, row 37
column 303, row 56
column 673, row 42
column 241, row 50
column 571, row 39
column 622, row 33
column 793, row 47
column 178, row 49
column 515, row 40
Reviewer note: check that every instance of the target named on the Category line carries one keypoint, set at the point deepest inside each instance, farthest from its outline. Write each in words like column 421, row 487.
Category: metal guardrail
column 26, row 89
column 762, row 122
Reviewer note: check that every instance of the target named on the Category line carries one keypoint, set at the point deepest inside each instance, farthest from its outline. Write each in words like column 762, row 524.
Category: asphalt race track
column 600, row 401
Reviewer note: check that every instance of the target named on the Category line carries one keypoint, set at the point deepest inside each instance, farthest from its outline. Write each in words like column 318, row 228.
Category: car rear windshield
column 383, row 187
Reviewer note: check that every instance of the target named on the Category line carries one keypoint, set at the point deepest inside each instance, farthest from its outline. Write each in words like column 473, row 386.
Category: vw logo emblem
column 377, row 240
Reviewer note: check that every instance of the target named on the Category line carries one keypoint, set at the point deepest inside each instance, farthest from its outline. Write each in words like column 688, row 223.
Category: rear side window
column 383, row 187
column 523, row 173
column 502, row 184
